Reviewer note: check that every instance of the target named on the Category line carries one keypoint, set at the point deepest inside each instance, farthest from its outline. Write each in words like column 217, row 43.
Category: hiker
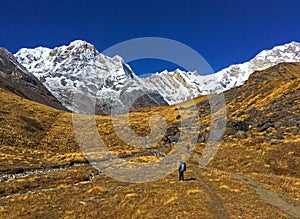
column 181, row 169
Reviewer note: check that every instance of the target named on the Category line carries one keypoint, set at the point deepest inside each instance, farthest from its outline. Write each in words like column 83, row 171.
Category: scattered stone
column 265, row 127
column 238, row 125
column 241, row 134
column 201, row 139
column 271, row 137
column 273, row 141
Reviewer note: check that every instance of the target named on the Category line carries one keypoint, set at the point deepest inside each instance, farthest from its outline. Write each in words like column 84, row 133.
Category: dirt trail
column 217, row 208
column 270, row 197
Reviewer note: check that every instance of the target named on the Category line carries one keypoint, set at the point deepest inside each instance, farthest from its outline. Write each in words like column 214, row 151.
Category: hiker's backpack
column 182, row 166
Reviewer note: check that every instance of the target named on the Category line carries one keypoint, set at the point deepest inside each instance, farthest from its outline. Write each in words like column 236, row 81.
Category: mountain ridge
column 79, row 68
column 16, row 78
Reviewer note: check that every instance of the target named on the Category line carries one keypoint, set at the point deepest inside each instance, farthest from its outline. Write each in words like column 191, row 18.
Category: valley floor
column 77, row 190
column 254, row 174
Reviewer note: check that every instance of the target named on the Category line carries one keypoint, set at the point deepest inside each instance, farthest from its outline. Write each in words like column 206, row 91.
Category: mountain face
column 236, row 75
column 14, row 77
column 268, row 101
column 179, row 86
column 79, row 68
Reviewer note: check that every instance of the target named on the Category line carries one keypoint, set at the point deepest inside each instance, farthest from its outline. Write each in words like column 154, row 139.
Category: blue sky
column 223, row 32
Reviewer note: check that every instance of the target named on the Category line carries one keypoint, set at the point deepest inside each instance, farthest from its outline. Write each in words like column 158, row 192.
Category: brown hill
column 255, row 173
column 264, row 114
column 15, row 78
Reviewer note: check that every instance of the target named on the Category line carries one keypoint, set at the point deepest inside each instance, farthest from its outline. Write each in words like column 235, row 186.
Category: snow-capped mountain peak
column 78, row 43
column 236, row 75
column 80, row 68
column 179, row 85
column 29, row 57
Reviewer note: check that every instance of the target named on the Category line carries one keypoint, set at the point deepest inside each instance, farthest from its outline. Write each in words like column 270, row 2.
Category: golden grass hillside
column 255, row 173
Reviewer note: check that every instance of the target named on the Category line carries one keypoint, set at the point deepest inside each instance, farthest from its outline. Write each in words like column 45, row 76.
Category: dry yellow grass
column 36, row 137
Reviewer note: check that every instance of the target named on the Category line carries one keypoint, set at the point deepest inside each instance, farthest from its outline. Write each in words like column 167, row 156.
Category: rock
column 201, row 139
column 265, row 127
column 259, row 140
column 278, row 124
column 238, row 125
column 172, row 134
column 274, row 141
column 280, row 136
column 241, row 134
column 271, row 137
